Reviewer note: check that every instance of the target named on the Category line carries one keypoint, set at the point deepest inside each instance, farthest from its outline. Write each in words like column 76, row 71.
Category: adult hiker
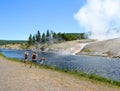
column 34, row 59
column 26, row 58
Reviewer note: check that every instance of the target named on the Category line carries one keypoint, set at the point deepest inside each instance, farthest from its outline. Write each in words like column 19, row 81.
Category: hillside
column 68, row 47
column 110, row 48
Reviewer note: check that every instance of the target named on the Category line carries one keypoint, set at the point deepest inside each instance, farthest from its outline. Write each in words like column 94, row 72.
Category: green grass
column 94, row 77
column 87, row 50
column 73, row 72
column 83, row 74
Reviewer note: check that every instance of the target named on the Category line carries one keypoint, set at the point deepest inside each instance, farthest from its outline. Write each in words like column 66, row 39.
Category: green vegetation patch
column 83, row 74
column 87, row 50
column 5, row 42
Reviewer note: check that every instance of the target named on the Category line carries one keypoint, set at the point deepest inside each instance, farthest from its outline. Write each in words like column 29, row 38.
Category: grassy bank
column 82, row 74
column 73, row 72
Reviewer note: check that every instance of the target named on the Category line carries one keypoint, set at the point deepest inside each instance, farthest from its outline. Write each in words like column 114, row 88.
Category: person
column 26, row 58
column 34, row 59
column 42, row 60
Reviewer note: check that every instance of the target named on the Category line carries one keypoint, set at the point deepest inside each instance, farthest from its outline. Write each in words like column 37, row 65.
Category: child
column 42, row 60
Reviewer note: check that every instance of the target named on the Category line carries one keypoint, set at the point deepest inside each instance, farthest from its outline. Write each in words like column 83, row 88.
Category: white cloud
column 100, row 17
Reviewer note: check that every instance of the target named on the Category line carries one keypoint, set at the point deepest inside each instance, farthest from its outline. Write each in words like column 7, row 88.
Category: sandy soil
column 16, row 77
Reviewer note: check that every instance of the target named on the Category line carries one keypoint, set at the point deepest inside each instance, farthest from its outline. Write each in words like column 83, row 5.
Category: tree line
column 53, row 37
column 5, row 42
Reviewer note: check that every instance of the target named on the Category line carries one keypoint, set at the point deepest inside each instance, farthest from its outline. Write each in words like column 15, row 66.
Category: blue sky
column 19, row 18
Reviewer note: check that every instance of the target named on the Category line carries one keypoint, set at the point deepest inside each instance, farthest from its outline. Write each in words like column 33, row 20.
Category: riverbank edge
column 75, row 73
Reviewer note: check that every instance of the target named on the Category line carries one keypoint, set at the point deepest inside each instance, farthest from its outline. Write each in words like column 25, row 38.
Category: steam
column 101, row 18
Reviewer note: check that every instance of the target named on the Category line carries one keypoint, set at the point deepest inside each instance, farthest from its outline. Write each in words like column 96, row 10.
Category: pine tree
column 30, row 41
column 47, row 36
column 54, row 35
column 43, row 38
column 48, row 33
column 38, row 36
column 33, row 39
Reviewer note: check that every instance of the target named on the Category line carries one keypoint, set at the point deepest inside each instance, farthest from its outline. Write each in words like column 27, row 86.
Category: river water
column 103, row 66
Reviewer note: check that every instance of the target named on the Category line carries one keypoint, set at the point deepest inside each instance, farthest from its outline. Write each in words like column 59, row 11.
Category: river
column 103, row 66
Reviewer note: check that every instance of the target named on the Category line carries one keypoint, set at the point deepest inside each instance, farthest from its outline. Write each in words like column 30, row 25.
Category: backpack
column 26, row 55
column 33, row 56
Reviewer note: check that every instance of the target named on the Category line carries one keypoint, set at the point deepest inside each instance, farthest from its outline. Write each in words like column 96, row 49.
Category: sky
column 20, row 18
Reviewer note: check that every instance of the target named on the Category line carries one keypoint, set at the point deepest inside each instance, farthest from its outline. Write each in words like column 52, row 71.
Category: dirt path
column 15, row 77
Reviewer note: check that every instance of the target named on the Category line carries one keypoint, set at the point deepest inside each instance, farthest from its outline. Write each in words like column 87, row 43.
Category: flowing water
column 106, row 67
